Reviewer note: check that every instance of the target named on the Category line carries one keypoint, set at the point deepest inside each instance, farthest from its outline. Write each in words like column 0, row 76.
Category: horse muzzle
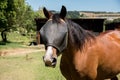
column 50, row 62
column 50, row 58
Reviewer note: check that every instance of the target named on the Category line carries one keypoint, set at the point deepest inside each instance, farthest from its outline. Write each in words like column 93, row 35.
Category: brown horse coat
column 98, row 60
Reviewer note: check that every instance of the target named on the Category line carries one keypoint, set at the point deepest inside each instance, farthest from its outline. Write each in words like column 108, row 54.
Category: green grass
column 17, row 37
column 18, row 68
column 15, row 40
column 11, row 45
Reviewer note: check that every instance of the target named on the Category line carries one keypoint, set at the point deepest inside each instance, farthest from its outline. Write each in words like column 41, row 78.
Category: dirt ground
column 21, row 51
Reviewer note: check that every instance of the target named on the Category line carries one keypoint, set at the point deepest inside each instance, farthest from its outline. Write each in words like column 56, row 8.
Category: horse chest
column 68, row 70
column 74, row 70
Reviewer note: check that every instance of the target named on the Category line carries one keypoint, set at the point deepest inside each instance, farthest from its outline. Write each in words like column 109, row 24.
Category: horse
column 84, row 56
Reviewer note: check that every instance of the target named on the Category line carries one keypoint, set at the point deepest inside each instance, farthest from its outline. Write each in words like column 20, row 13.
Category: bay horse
column 84, row 56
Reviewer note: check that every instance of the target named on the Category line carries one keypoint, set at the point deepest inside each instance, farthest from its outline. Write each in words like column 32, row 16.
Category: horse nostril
column 54, row 60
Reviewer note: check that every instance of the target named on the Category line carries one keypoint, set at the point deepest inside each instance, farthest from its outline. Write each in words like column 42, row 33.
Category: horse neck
column 72, row 56
column 78, row 39
column 72, row 49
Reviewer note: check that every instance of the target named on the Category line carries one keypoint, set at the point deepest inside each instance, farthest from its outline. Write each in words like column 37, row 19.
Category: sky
column 77, row 5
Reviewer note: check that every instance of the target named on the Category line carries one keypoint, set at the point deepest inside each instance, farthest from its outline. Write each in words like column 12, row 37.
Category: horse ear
column 63, row 12
column 47, row 13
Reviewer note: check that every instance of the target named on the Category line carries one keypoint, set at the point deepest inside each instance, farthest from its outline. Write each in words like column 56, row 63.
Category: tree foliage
column 39, row 13
column 15, row 15
column 116, row 20
column 7, row 16
column 73, row 14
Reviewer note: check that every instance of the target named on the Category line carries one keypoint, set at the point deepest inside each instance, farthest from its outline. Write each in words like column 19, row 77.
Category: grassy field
column 15, row 40
column 18, row 68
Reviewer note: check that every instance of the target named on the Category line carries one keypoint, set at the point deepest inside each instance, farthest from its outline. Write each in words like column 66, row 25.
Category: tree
column 116, row 20
column 7, row 16
column 15, row 15
column 39, row 13
column 73, row 14
column 25, row 17
column 29, row 19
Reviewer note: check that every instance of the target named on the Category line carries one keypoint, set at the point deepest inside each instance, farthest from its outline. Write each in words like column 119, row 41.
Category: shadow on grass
column 4, row 43
column 9, row 42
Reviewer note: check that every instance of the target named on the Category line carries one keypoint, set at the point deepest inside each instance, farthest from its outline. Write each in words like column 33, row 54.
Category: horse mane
column 78, row 35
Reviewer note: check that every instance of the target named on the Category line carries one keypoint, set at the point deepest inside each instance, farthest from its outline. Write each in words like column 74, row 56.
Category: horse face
column 54, row 36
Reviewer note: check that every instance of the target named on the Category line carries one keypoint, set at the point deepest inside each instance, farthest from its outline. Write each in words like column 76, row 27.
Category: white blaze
column 48, row 54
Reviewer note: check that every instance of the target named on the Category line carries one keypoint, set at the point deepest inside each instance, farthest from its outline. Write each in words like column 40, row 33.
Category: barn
column 92, row 24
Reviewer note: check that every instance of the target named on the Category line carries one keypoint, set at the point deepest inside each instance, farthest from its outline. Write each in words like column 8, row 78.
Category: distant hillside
column 112, row 15
column 73, row 14
column 92, row 14
column 70, row 14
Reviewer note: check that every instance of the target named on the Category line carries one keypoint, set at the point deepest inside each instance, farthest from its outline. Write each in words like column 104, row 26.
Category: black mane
column 78, row 35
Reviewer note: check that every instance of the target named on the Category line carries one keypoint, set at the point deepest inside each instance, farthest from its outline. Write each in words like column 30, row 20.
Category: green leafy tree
column 24, row 18
column 39, row 13
column 73, row 14
column 116, row 20
column 7, row 16
column 29, row 23
column 15, row 15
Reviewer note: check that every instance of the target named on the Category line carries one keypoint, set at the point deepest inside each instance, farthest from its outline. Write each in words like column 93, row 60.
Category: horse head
column 54, row 35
